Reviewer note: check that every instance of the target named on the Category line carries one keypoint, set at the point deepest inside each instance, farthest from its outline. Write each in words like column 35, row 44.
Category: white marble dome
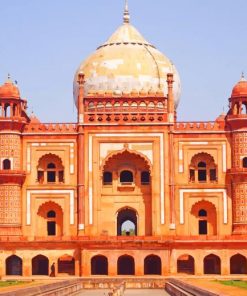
column 126, row 62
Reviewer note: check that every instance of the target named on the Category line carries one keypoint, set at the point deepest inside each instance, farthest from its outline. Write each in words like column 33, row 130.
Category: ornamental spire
column 126, row 16
column 242, row 77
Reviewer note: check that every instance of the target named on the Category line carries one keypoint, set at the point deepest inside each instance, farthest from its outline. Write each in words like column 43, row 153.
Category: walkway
column 128, row 292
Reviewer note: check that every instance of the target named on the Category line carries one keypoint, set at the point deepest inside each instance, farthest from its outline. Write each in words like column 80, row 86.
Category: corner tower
column 237, row 122
column 12, row 121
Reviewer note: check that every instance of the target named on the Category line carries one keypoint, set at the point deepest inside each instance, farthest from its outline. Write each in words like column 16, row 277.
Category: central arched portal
column 127, row 222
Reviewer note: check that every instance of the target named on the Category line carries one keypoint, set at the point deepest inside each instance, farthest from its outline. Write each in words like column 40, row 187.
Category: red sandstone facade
column 67, row 189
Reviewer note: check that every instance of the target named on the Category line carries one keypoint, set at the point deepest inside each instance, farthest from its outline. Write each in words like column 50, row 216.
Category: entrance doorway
column 127, row 222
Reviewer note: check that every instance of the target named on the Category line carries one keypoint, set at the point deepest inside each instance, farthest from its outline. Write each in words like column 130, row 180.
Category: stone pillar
column 165, row 262
column 26, row 266
column 139, row 264
column 199, row 263
column 112, row 265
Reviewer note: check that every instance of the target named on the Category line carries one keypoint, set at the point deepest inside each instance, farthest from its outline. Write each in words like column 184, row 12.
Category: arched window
column 145, row 178
column 50, row 169
column 107, row 178
column 245, row 162
column 51, row 214
column 126, row 177
column 202, row 168
column 6, row 164
column 202, row 213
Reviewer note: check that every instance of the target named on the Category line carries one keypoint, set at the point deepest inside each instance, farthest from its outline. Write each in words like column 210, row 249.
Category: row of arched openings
column 40, row 265
column 126, row 177
column 151, row 105
column 126, row 265
column 8, row 110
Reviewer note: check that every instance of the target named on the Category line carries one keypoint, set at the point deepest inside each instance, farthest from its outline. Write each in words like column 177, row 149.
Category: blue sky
column 43, row 43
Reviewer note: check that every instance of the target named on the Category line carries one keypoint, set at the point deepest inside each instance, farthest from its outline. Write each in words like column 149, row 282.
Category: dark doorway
column 13, row 265
column 212, row 264
column 66, row 264
column 186, row 264
column 40, row 265
column 51, row 228
column 124, row 216
column 125, row 265
column 238, row 264
column 203, row 227
column 99, row 265
column 152, row 265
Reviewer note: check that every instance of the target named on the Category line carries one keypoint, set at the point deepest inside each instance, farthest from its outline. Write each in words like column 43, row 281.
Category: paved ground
column 140, row 292
column 128, row 292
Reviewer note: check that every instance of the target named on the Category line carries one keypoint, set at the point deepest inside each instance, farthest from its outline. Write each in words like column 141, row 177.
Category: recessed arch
column 49, row 219
column 40, row 265
column 126, row 265
column 203, row 218
column 50, row 169
column 238, row 264
column 13, row 265
column 152, row 265
column 202, row 168
column 186, row 264
column 126, row 214
column 124, row 152
column 66, row 264
column 99, row 265
column 212, row 264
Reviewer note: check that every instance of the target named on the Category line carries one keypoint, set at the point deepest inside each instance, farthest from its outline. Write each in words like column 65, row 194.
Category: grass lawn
column 234, row 283
column 10, row 283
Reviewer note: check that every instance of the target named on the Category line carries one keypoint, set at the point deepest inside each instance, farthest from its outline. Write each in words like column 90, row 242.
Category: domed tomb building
column 127, row 189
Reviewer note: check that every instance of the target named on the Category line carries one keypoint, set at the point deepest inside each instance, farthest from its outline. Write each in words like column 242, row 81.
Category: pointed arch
column 40, row 265
column 238, row 264
column 66, row 264
column 186, row 264
column 126, row 265
column 50, row 219
column 13, row 265
column 125, row 214
column 152, row 265
column 99, row 265
column 212, row 264
column 203, row 218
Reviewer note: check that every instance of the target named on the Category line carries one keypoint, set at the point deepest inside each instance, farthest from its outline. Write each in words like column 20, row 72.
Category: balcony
column 126, row 186
column 12, row 176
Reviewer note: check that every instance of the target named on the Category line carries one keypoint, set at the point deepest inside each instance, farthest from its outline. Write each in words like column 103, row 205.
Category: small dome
column 127, row 62
column 9, row 90
column 240, row 89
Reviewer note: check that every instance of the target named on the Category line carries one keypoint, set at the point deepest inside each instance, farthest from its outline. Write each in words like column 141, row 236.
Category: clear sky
column 43, row 42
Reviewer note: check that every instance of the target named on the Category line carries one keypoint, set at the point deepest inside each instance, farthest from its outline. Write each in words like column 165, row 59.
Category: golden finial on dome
column 126, row 17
